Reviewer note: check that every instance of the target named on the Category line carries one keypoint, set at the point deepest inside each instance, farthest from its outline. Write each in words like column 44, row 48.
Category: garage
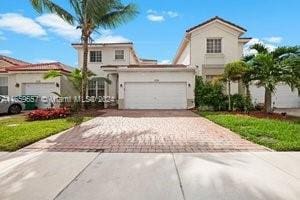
column 156, row 87
column 43, row 90
column 283, row 97
column 155, row 95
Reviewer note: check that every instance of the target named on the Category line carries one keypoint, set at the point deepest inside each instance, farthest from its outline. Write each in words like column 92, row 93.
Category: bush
column 209, row 94
column 241, row 103
column 50, row 113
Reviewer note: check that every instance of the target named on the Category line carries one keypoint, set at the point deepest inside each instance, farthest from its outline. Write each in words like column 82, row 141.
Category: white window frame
column 4, row 83
column 120, row 54
column 96, row 87
column 216, row 47
column 98, row 57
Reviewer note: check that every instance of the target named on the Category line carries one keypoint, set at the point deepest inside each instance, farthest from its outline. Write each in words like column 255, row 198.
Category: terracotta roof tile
column 13, row 61
column 41, row 67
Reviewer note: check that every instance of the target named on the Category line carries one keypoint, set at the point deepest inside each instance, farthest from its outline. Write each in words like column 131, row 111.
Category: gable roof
column 213, row 19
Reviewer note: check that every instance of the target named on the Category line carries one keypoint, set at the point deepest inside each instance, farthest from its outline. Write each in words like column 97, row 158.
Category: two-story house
column 215, row 42
column 137, row 83
column 210, row 45
column 143, row 84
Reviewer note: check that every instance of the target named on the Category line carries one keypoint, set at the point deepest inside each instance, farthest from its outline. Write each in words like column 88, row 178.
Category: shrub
column 50, row 113
column 208, row 94
column 76, row 119
column 241, row 103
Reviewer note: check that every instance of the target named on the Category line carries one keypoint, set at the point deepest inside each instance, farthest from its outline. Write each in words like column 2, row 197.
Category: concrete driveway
column 141, row 131
column 114, row 176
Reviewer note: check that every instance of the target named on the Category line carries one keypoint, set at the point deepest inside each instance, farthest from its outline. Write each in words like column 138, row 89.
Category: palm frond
column 52, row 74
column 42, row 6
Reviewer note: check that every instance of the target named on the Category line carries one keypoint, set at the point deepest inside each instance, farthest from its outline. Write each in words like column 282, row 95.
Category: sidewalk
column 53, row 175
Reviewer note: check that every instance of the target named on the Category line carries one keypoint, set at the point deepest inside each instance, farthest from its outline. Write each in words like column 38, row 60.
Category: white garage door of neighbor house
column 283, row 97
column 40, row 89
column 155, row 95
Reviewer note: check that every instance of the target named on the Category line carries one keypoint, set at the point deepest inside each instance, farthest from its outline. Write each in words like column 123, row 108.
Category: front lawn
column 16, row 132
column 275, row 134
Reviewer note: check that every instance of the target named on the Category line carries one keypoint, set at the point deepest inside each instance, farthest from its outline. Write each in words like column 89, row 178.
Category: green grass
column 275, row 134
column 16, row 132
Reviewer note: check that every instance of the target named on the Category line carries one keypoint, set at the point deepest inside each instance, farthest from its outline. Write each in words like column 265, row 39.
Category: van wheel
column 14, row 109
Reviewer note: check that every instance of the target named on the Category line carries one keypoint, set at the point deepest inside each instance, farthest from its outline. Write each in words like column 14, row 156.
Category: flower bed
column 50, row 113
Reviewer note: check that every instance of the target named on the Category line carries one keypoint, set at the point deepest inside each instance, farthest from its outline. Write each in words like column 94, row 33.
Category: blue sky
column 156, row 31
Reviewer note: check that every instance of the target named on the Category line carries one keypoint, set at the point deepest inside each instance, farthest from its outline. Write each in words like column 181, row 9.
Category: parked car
column 10, row 105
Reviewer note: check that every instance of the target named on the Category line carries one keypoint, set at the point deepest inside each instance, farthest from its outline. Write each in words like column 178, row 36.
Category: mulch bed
column 260, row 114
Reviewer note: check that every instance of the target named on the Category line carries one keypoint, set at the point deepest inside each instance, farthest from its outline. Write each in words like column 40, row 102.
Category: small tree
column 234, row 72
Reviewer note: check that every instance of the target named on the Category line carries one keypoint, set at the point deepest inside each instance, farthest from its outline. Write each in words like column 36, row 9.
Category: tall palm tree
column 89, row 16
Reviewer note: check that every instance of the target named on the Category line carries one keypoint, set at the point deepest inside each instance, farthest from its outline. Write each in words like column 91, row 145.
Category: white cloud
column 58, row 26
column 166, row 61
column 248, row 51
column 5, row 52
column 155, row 18
column 171, row 14
column 273, row 39
column 19, row 24
column 107, row 36
column 45, row 61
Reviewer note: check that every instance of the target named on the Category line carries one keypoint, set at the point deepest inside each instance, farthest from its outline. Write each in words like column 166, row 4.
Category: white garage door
column 41, row 89
column 152, row 95
column 283, row 97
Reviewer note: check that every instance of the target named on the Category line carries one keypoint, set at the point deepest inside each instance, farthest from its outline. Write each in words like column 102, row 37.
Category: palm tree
column 270, row 68
column 89, row 16
column 75, row 77
column 234, row 72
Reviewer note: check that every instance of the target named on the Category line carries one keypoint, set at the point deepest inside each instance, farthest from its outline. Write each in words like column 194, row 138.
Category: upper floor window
column 95, row 56
column 213, row 46
column 3, row 85
column 119, row 55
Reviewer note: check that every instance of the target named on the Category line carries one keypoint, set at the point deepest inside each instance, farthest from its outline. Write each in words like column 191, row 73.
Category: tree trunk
column 84, row 72
column 268, row 101
column 229, row 97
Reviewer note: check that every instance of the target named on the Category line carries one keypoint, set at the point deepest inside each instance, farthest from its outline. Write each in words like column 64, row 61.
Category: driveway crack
column 178, row 176
column 77, row 176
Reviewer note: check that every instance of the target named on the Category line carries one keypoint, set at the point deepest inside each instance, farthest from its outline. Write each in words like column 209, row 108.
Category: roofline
column 144, row 59
column 103, row 44
column 183, row 44
column 23, row 67
column 213, row 19
column 5, row 58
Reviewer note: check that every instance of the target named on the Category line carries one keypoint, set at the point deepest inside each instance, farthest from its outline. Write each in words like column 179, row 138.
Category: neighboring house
column 212, row 44
column 23, row 78
column 137, row 83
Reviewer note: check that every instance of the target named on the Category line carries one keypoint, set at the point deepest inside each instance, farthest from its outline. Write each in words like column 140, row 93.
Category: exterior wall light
column 189, row 84
column 17, row 85
column 121, row 85
column 57, row 84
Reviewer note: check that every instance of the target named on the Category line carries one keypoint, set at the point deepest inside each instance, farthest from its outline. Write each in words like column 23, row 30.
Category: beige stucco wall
column 67, row 88
column 108, row 58
column 185, row 56
column 195, row 48
column 162, row 76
